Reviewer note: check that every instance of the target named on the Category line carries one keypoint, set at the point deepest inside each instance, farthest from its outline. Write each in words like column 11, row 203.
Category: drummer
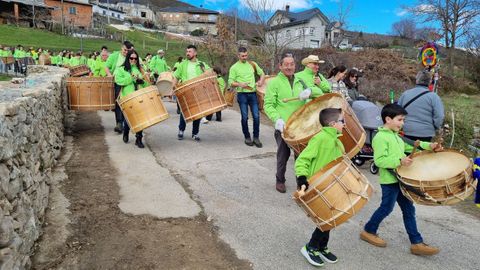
column 242, row 77
column 130, row 77
column 158, row 64
column 100, row 64
column 312, row 77
column 389, row 153
column 284, row 85
column 187, row 70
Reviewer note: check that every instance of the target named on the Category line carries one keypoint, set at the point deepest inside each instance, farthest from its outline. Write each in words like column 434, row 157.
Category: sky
column 369, row 16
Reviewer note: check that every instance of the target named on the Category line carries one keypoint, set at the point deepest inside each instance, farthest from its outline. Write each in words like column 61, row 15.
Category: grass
column 28, row 37
column 4, row 78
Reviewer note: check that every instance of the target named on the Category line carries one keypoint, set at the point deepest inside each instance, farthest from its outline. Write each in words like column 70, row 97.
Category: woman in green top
column 130, row 77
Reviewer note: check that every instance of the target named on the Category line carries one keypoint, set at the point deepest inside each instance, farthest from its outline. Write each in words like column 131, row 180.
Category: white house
column 107, row 11
column 306, row 29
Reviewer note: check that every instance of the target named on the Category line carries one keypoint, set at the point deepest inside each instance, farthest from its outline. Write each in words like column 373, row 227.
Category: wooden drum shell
column 90, row 93
column 261, row 91
column 79, row 70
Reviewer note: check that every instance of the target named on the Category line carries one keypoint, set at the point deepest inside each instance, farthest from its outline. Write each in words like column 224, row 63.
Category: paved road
column 234, row 185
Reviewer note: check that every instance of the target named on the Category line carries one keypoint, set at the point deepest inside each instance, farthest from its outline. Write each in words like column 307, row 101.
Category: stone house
column 109, row 12
column 305, row 29
column 185, row 19
column 75, row 13
column 21, row 12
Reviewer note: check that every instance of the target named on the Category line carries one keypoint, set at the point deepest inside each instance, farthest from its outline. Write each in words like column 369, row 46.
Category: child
column 389, row 153
column 221, row 84
column 321, row 150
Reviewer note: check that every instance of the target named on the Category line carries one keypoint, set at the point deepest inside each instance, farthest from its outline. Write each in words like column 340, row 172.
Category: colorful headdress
column 428, row 54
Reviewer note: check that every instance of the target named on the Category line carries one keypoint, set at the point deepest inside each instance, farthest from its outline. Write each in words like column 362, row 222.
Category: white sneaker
column 204, row 120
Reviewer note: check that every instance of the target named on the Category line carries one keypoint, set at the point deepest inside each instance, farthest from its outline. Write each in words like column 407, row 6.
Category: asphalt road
column 234, row 185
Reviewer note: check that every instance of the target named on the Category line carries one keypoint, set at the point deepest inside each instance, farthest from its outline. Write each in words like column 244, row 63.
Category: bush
column 198, row 32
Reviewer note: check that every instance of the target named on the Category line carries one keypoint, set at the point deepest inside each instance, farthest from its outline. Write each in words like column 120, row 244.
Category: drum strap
column 255, row 72
column 303, row 83
column 415, row 98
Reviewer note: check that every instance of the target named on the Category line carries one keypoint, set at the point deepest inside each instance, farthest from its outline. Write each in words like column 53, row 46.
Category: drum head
column 164, row 87
column 430, row 166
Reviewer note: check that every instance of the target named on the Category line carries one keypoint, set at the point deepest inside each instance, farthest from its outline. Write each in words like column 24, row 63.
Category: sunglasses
column 133, row 58
column 341, row 121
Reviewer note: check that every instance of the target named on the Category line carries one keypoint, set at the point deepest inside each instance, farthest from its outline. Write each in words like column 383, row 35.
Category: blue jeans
column 245, row 100
column 390, row 194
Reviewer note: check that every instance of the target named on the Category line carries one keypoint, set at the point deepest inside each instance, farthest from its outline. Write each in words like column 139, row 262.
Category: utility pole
column 108, row 11
column 235, row 26
column 63, row 25
column 33, row 11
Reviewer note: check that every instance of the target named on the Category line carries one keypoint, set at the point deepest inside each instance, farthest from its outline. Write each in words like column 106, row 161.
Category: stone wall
column 31, row 137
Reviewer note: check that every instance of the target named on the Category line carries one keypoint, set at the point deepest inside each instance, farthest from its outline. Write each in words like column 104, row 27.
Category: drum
column 143, row 108
column 44, row 59
column 90, row 93
column 79, row 70
column 304, row 124
column 200, row 96
column 262, row 90
column 229, row 96
column 8, row 60
column 165, row 83
column 335, row 194
column 442, row 178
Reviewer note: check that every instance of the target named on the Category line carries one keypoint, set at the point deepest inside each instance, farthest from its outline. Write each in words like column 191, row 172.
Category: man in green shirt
column 242, row 77
column 284, row 85
column 99, row 65
column 189, row 69
column 115, row 60
column 312, row 78
column 158, row 64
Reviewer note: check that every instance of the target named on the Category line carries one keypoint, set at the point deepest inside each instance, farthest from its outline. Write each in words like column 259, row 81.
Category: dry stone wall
column 32, row 118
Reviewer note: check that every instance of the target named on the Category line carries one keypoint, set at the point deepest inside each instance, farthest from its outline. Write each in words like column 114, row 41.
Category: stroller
column 370, row 118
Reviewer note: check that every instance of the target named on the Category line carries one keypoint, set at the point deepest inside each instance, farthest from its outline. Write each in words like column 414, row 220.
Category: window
column 113, row 14
column 288, row 34
column 314, row 43
column 104, row 12
column 143, row 14
column 312, row 30
column 118, row 16
column 72, row 10
column 212, row 18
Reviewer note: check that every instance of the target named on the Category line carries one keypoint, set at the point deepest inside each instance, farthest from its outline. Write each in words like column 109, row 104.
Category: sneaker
column 312, row 256
column 118, row 128
column 138, row 142
column 328, row 256
column 423, row 249
column 257, row 143
column 180, row 135
column 248, row 141
column 373, row 239
column 125, row 137
column 204, row 121
column 196, row 138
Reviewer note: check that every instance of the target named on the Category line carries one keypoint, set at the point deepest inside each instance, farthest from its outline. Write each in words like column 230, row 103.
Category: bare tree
column 405, row 28
column 344, row 10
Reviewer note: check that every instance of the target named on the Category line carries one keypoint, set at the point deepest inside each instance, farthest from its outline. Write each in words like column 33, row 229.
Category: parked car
column 356, row 48
column 343, row 46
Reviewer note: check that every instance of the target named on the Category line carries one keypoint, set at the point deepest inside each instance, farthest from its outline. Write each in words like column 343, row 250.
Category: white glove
column 280, row 125
column 305, row 94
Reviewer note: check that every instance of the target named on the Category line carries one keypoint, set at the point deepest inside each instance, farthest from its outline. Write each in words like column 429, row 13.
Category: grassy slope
column 12, row 36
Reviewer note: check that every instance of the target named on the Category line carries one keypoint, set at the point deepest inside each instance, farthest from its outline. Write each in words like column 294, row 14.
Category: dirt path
column 102, row 237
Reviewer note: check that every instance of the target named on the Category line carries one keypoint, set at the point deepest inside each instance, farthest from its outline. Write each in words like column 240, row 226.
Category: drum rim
column 182, row 86
column 137, row 93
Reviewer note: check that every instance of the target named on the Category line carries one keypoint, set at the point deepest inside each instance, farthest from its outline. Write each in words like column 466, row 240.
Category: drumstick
column 290, row 99
column 416, row 144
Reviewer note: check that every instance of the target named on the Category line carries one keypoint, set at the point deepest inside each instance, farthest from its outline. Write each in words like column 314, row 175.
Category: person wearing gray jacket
column 425, row 109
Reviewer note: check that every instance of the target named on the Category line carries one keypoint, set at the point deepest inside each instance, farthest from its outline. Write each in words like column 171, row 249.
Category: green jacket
column 221, row 84
column 321, row 150
column 244, row 73
column 99, row 68
column 83, row 60
column 5, row 53
column 278, row 89
column 54, row 60
column 74, row 61
column 112, row 61
column 158, row 65
column 91, row 63
column 182, row 71
column 308, row 77
column 19, row 54
column 127, row 81
column 65, row 61
column 388, row 150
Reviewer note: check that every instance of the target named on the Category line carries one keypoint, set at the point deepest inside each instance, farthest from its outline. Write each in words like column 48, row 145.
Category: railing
column 202, row 20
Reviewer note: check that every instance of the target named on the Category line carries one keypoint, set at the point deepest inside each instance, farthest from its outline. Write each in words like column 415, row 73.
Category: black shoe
column 178, row 111
column 312, row 256
column 139, row 143
column 328, row 256
column 218, row 120
column 118, row 128
column 125, row 137
column 257, row 143
column 248, row 141
column 180, row 135
column 196, row 138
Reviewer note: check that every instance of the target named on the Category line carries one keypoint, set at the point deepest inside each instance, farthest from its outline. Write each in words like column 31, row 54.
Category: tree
column 405, row 28
column 344, row 9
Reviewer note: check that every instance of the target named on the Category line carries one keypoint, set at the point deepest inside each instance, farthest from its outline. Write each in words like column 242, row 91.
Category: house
column 21, row 12
column 75, row 13
column 306, row 29
column 185, row 19
column 109, row 12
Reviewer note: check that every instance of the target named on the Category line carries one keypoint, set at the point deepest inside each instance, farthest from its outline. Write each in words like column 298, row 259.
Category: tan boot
column 373, row 239
column 423, row 249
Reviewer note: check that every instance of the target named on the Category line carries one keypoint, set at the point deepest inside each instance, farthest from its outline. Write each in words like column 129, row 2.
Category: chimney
column 287, row 8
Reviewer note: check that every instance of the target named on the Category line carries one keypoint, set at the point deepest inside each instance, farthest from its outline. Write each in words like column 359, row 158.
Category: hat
column 312, row 59
column 160, row 51
column 423, row 77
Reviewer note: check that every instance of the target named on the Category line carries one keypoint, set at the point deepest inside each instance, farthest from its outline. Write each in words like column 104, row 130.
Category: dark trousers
column 182, row 125
column 126, row 130
column 391, row 193
column 423, row 139
column 118, row 111
column 218, row 116
column 244, row 101
column 283, row 154
column 319, row 239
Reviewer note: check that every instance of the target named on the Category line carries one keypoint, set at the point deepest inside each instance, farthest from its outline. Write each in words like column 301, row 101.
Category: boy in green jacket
column 389, row 153
column 321, row 150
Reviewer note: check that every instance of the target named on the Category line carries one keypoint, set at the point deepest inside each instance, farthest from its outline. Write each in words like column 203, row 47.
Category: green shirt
column 99, row 68
column 323, row 148
column 278, row 89
column 308, row 77
column 158, row 65
column 4, row 53
column 115, row 60
column 244, row 73
column 388, row 150
column 19, row 54
column 182, row 73
column 127, row 81
column 83, row 60
column 74, row 61
column 221, row 84
column 91, row 64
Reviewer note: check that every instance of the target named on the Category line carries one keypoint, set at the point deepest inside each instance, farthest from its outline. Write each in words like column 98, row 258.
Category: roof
column 28, row 2
column 297, row 18
column 109, row 8
column 191, row 9
column 74, row 2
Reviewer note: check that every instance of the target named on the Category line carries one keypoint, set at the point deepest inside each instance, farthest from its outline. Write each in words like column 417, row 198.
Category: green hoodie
column 278, row 89
column 182, row 71
column 308, row 77
column 388, row 150
column 158, row 65
column 321, row 150
column 127, row 81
